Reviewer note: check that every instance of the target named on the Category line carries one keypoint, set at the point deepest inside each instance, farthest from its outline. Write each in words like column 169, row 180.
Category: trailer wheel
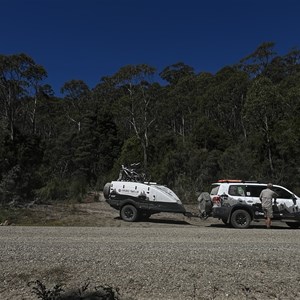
column 129, row 213
column 240, row 219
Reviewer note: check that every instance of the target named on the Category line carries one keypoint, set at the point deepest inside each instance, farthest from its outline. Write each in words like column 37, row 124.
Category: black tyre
column 129, row 213
column 293, row 224
column 240, row 219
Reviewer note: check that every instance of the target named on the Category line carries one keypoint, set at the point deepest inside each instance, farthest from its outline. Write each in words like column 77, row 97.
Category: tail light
column 216, row 200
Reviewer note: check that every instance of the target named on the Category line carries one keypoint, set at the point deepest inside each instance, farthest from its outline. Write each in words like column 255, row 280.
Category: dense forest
column 187, row 129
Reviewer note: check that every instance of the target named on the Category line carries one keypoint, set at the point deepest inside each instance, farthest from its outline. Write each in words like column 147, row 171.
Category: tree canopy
column 187, row 129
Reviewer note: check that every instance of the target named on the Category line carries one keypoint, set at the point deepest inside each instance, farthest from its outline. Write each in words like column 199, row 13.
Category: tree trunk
column 145, row 157
column 269, row 145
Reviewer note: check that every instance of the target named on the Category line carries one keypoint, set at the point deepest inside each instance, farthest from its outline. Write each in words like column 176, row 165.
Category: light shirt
column 266, row 197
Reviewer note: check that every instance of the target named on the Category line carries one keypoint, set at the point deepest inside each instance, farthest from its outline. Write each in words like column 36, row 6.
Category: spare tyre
column 205, row 204
column 106, row 190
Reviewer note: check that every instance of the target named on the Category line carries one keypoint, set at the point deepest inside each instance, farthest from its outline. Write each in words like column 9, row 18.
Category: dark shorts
column 268, row 211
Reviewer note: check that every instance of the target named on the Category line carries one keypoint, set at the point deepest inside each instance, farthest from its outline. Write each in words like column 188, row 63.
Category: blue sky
column 89, row 39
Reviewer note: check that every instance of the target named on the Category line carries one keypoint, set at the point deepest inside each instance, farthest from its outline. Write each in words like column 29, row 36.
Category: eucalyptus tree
column 178, row 99
column 20, row 79
column 173, row 73
column 135, row 104
column 62, row 163
column 287, row 134
column 76, row 97
column 258, row 61
column 220, row 103
column 263, row 109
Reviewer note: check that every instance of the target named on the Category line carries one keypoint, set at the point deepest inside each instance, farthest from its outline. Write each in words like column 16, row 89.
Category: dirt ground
column 95, row 211
column 100, row 214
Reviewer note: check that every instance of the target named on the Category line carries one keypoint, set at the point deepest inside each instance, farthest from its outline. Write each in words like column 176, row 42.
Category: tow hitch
column 191, row 215
column 202, row 216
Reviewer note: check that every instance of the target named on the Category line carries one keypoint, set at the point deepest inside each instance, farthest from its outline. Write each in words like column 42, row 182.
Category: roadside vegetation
column 187, row 128
column 56, row 214
column 85, row 292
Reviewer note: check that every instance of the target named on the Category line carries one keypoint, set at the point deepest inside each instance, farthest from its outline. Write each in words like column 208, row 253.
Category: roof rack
column 229, row 180
column 251, row 181
column 236, row 181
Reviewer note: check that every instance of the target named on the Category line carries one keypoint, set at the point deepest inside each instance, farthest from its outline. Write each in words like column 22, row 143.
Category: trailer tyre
column 129, row 213
column 240, row 218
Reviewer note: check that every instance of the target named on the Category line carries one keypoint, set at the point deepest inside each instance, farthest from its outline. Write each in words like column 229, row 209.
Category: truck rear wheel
column 129, row 213
column 240, row 218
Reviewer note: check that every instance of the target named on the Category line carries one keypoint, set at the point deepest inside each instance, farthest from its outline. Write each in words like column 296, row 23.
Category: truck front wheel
column 129, row 213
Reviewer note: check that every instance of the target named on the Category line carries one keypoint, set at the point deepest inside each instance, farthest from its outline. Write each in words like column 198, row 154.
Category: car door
column 286, row 203
column 253, row 192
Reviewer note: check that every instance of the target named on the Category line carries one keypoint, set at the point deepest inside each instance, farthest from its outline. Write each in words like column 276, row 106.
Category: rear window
column 214, row 190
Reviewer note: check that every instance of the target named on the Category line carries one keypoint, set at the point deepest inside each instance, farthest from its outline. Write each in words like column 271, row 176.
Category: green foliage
column 174, row 73
column 43, row 293
column 20, row 159
column 131, row 152
column 54, row 189
column 103, row 292
column 257, row 62
column 78, row 188
column 242, row 122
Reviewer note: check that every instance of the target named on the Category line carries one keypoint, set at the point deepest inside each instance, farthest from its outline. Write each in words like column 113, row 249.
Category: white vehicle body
column 227, row 196
column 140, row 200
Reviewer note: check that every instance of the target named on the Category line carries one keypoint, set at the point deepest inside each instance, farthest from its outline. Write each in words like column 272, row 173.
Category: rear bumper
column 221, row 212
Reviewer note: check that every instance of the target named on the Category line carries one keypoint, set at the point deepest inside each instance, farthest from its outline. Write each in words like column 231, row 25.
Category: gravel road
column 163, row 261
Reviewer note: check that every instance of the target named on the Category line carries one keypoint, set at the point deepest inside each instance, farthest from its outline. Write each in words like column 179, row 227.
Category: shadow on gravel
column 254, row 226
column 160, row 221
column 167, row 221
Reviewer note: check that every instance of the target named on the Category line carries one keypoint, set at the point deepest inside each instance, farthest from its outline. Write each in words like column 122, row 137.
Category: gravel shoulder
column 169, row 257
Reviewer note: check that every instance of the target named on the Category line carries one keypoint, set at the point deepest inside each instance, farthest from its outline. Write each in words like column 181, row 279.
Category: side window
column 214, row 190
column 237, row 190
column 282, row 193
column 254, row 190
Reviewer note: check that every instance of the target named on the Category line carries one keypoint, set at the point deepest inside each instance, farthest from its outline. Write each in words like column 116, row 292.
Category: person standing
column 266, row 197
